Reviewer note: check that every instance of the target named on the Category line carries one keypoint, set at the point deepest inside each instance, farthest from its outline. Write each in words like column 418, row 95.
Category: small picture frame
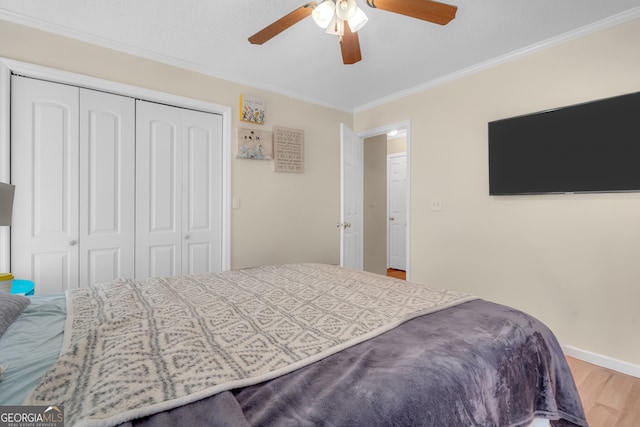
column 253, row 144
column 252, row 109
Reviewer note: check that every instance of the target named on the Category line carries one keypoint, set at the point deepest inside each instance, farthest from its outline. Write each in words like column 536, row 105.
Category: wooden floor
column 609, row 398
column 398, row 274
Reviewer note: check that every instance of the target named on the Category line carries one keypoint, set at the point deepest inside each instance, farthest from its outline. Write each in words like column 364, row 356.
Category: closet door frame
column 9, row 66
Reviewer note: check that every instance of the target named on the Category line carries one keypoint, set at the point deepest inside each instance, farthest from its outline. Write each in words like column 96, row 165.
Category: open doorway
column 353, row 201
column 386, row 201
column 396, row 203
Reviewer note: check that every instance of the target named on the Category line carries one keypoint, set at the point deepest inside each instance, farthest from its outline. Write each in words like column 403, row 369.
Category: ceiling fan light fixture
column 358, row 20
column 344, row 18
column 345, row 9
column 335, row 28
column 324, row 13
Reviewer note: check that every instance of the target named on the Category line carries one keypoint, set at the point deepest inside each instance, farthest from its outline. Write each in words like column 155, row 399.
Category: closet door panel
column 158, row 191
column 44, row 158
column 107, row 192
column 178, row 191
column 202, row 198
column 163, row 178
column 163, row 261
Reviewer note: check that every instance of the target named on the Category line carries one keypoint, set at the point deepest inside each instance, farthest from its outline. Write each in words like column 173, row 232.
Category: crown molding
column 519, row 53
column 168, row 60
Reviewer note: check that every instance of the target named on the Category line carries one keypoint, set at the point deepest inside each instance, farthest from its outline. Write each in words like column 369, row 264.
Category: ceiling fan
column 344, row 18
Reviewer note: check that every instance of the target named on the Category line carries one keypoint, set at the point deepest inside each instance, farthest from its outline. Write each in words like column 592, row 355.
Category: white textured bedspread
column 133, row 348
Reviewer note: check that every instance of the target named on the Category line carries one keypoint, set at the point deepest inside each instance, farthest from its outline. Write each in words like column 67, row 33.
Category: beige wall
column 397, row 145
column 282, row 217
column 571, row 260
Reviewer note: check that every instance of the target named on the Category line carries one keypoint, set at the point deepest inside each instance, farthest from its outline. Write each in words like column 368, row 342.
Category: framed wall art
column 253, row 144
column 252, row 109
column 288, row 150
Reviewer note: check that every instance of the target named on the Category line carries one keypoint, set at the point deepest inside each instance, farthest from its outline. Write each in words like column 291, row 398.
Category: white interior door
column 44, row 150
column 107, row 193
column 202, row 192
column 57, row 205
column 351, row 200
column 397, row 200
column 158, row 191
column 179, row 182
column 76, row 206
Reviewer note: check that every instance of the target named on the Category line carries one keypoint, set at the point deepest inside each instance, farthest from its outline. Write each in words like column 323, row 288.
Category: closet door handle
column 186, row 237
column 72, row 242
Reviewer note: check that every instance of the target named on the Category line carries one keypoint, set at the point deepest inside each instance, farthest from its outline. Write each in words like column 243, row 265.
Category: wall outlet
column 436, row 204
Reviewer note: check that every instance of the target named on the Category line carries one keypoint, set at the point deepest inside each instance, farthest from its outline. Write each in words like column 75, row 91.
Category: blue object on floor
column 22, row 287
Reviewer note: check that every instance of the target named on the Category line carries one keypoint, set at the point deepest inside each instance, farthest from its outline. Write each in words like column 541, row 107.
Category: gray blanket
column 137, row 347
column 475, row 364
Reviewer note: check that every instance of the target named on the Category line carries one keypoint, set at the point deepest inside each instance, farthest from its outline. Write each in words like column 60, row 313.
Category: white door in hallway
column 351, row 200
column 397, row 201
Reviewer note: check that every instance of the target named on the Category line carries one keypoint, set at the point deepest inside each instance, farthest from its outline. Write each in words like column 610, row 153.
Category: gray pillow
column 10, row 308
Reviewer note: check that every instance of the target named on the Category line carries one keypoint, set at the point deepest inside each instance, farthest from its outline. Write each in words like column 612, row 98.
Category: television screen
column 591, row 147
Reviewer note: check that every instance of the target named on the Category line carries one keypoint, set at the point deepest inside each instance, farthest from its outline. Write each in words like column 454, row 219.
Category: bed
column 289, row 345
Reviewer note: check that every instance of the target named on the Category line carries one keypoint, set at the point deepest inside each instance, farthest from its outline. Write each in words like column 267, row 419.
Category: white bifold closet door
column 109, row 187
column 72, row 161
column 178, row 191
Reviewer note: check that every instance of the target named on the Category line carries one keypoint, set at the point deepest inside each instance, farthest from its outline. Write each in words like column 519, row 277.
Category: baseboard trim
column 604, row 361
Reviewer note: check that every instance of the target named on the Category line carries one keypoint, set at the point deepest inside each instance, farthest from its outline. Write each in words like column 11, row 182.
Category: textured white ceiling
column 399, row 53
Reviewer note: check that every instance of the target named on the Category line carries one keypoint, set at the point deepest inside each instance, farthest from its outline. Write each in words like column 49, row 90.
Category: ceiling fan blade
column 270, row 31
column 350, row 46
column 427, row 10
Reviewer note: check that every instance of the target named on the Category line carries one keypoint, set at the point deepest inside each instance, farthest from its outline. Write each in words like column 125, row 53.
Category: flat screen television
column 586, row 148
